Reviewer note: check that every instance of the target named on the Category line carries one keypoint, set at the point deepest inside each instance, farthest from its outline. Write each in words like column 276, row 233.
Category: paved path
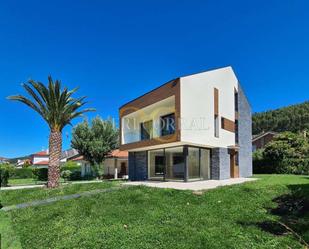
column 60, row 198
column 194, row 186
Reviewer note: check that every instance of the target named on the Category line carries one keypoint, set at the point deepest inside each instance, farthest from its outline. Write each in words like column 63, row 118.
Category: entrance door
column 123, row 169
column 233, row 165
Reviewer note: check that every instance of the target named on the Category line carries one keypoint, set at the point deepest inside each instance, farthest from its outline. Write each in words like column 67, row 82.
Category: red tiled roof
column 41, row 153
column 119, row 153
column 78, row 158
column 42, row 163
column 115, row 153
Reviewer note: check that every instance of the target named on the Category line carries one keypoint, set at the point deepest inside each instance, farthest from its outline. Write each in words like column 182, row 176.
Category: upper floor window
column 216, row 124
column 236, row 100
column 146, row 130
column 167, row 124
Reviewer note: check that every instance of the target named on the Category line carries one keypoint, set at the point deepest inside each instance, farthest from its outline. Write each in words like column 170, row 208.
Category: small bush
column 41, row 174
column 4, row 176
column 75, row 176
column 22, row 173
column 72, row 166
column 66, row 174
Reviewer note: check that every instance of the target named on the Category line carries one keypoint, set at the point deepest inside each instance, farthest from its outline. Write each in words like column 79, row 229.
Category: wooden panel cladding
column 167, row 90
column 216, row 101
column 151, row 142
column 227, row 124
column 171, row 88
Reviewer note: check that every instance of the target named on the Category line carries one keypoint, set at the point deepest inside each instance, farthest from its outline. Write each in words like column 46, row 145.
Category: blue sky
column 117, row 50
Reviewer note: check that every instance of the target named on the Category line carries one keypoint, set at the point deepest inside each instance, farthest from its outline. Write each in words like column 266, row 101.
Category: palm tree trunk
column 55, row 149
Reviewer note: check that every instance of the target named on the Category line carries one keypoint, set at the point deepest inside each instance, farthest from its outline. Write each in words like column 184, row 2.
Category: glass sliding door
column 156, row 164
column 205, row 164
column 175, row 163
column 193, row 163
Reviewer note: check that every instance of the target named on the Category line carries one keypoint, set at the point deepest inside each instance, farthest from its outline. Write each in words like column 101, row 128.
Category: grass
column 12, row 197
column 24, row 181
column 239, row 216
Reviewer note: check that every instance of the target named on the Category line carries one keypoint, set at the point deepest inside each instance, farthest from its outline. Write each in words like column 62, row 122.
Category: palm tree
column 58, row 108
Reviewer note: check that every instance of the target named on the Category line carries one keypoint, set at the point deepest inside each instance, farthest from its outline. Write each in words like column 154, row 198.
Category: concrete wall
column 197, row 107
column 109, row 165
column 245, row 135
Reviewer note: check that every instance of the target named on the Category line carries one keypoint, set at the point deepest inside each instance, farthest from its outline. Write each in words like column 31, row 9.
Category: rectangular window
column 236, row 100
column 159, row 165
column 193, row 163
column 146, row 130
column 236, row 132
column 168, row 124
column 216, row 124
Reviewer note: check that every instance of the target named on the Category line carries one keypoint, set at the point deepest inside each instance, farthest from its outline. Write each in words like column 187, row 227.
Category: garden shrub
column 75, row 176
column 288, row 153
column 41, row 174
column 22, row 173
column 72, row 166
column 66, row 174
column 4, row 176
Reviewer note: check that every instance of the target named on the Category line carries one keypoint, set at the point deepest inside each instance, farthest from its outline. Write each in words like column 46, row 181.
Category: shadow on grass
column 292, row 211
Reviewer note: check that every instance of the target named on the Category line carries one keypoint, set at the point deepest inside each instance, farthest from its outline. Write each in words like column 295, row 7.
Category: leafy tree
column 287, row 153
column 58, row 108
column 96, row 140
column 294, row 118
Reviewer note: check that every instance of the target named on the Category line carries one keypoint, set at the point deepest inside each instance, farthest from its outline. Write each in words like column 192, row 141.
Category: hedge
column 286, row 166
column 21, row 173
column 4, row 176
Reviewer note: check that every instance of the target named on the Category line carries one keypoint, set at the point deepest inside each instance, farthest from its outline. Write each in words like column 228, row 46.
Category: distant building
column 40, row 159
column 115, row 165
column 3, row 160
column 68, row 154
column 260, row 141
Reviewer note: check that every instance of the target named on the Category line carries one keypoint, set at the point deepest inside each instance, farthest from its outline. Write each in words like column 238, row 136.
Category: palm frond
column 55, row 105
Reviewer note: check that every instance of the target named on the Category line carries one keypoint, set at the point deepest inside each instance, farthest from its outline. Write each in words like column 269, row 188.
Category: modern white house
column 195, row 127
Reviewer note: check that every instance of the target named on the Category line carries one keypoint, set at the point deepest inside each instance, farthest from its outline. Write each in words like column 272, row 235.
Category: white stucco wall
column 197, row 107
column 37, row 159
column 109, row 165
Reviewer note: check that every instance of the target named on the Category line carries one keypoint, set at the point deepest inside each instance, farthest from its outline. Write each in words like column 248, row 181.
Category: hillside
column 291, row 118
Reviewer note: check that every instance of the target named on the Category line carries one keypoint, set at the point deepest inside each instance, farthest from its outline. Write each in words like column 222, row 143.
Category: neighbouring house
column 3, row 160
column 40, row 159
column 195, row 127
column 115, row 165
column 85, row 166
column 68, row 154
column 23, row 162
column 260, row 141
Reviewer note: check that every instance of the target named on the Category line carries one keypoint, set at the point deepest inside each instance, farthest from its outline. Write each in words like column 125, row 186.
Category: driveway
column 194, row 186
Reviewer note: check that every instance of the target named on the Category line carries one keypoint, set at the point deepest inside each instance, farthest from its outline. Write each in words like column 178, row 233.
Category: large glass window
column 146, row 130
column 156, row 162
column 216, row 124
column 175, row 163
column 205, row 164
column 193, row 163
column 168, row 124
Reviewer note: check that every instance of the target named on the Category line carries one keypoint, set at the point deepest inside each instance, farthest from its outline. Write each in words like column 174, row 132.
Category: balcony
column 152, row 123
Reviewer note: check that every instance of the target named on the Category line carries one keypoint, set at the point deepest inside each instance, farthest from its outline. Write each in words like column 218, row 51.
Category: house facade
column 40, row 159
column 196, row 127
column 260, row 141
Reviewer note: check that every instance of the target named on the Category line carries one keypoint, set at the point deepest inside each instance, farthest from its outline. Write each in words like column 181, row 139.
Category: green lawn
column 23, row 181
column 239, row 216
